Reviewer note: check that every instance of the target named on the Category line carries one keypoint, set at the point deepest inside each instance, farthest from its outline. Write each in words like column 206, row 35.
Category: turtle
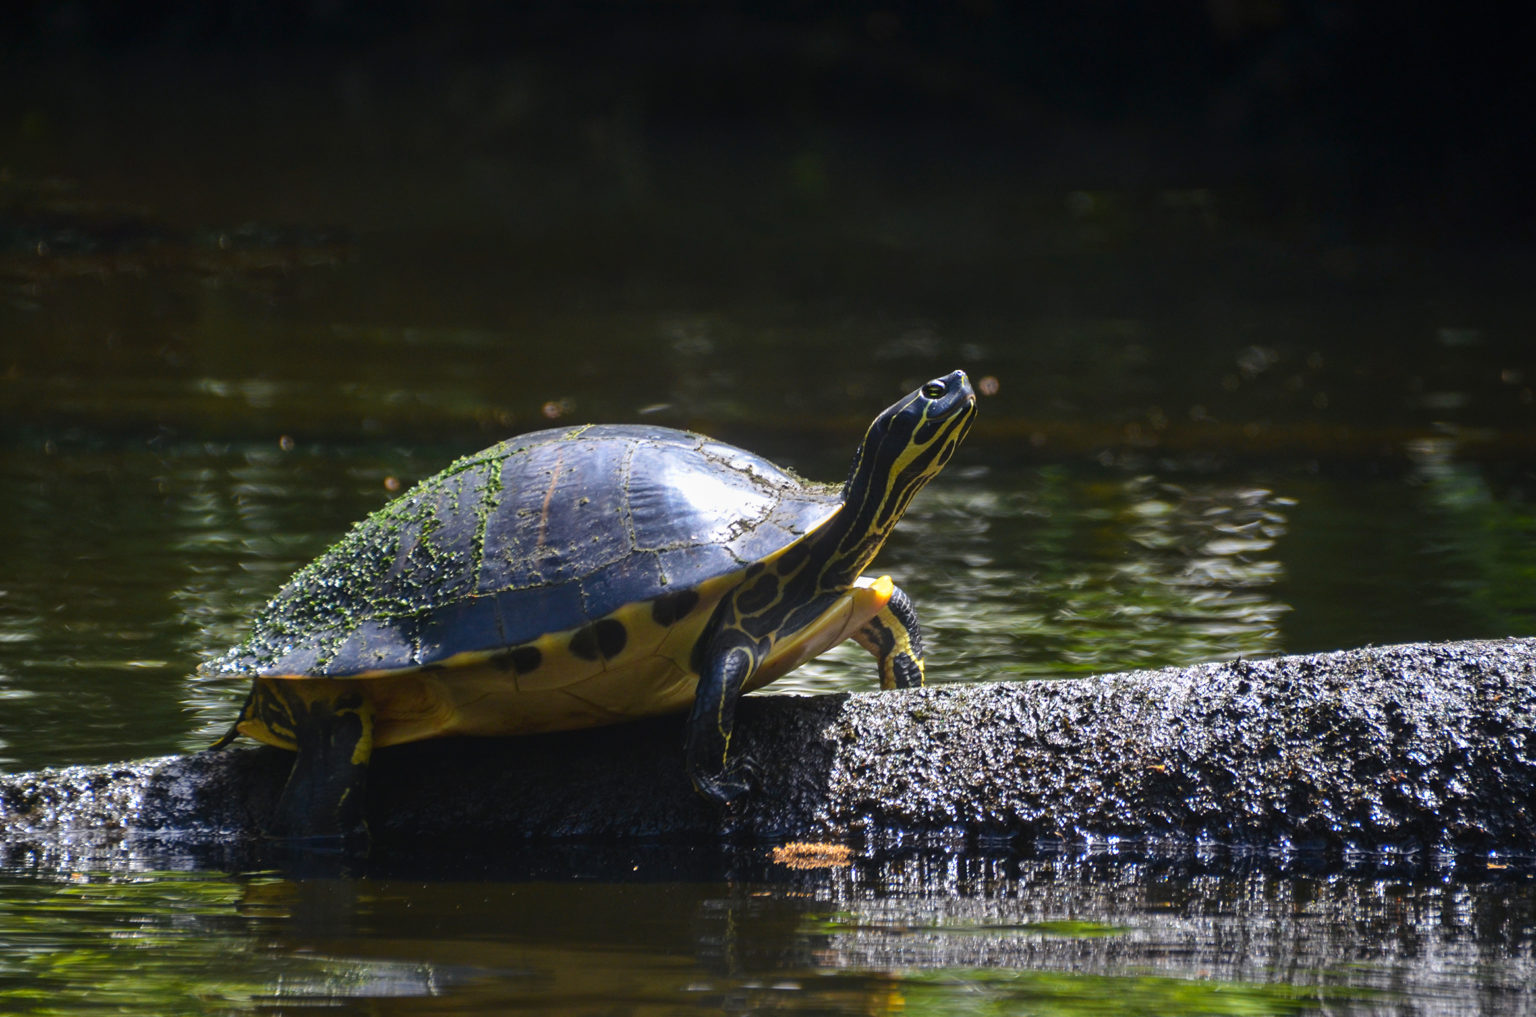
column 581, row 576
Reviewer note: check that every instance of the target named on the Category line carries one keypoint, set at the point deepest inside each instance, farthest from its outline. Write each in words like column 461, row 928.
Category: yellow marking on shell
column 470, row 694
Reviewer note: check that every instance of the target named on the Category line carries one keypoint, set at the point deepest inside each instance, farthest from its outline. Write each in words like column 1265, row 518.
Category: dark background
column 1381, row 119
column 1279, row 196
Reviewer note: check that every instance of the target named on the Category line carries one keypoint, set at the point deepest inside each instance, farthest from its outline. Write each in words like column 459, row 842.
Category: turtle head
column 903, row 449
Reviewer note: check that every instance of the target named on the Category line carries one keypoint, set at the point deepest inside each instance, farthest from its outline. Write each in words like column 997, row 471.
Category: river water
column 1208, row 433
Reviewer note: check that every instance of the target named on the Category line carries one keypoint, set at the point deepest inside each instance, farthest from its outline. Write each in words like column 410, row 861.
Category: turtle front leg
column 323, row 800
column 896, row 640
column 707, row 751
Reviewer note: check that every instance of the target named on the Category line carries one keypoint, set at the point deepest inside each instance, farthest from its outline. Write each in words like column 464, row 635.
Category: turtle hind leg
column 896, row 640
column 323, row 802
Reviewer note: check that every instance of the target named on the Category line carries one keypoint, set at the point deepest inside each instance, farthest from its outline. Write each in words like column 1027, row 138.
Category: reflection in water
column 936, row 933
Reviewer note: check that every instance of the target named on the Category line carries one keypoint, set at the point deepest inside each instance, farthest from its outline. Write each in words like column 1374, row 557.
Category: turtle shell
column 548, row 532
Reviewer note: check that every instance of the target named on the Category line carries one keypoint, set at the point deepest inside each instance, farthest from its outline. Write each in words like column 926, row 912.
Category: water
column 1214, row 433
column 741, row 934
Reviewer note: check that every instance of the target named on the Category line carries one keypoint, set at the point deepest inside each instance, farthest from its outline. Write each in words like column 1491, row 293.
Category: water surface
column 1215, row 431
column 741, row 934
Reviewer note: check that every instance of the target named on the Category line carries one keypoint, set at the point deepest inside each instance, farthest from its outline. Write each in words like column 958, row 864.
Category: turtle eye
column 933, row 390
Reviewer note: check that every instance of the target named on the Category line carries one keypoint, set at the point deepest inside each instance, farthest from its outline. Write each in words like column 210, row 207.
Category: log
column 1414, row 748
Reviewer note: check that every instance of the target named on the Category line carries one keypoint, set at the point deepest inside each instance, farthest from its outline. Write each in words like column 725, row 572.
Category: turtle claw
column 731, row 786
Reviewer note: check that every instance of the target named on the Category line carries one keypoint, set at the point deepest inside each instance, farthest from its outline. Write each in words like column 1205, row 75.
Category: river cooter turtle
column 583, row 576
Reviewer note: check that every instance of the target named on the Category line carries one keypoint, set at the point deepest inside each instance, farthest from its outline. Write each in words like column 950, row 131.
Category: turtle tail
column 234, row 729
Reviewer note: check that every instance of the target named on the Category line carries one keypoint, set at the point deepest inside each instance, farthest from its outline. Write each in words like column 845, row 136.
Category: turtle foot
column 731, row 786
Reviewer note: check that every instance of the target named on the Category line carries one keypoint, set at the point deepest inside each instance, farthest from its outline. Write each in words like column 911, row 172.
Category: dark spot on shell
column 600, row 639
column 671, row 608
column 520, row 659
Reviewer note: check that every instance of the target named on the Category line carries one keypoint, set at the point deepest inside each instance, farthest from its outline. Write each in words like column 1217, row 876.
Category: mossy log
column 1425, row 747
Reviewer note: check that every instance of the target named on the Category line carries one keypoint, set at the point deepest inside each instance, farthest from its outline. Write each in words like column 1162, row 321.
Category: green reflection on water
column 162, row 943
column 1001, row 992
column 146, row 943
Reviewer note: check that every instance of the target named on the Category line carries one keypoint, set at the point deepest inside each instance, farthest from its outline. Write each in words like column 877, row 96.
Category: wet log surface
column 1423, row 748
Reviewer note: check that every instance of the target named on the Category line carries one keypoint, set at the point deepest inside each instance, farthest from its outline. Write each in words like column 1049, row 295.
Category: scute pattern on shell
column 541, row 533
